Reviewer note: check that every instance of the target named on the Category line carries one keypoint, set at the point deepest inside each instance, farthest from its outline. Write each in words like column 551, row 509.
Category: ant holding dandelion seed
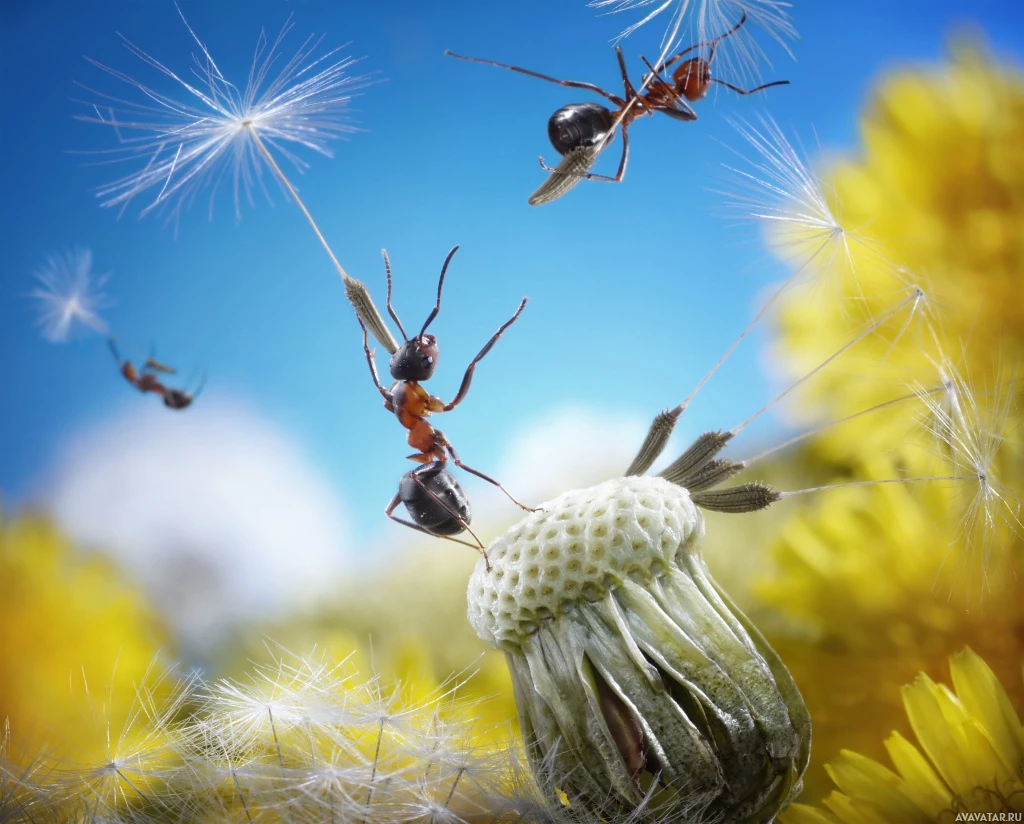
column 148, row 379
column 580, row 131
column 219, row 127
column 432, row 496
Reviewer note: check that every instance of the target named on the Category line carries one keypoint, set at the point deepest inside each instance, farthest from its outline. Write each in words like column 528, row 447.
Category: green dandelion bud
column 639, row 684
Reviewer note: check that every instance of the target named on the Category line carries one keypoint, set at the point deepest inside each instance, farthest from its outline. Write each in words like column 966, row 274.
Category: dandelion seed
column 211, row 132
column 778, row 188
column 700, row 20
column 972, row 435
column 216, row 130
column 69, row 295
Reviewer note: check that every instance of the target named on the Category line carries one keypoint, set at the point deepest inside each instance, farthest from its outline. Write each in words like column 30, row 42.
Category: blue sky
column 635, row 288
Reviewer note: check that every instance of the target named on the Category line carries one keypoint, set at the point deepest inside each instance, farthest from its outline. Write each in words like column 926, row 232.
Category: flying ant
column 148, row 379
column 433, row 498
column 580, row 130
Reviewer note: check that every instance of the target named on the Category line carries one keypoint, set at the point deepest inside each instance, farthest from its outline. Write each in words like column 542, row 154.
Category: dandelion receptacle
column 639, row 685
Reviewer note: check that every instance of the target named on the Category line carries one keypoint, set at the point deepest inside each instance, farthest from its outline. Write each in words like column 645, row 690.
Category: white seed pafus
column 638, row 683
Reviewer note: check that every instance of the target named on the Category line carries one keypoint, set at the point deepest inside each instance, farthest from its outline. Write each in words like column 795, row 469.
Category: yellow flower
column 76, row 640
column 937, row 201
column 969, row 758
column 874, row 584
column 406, row 618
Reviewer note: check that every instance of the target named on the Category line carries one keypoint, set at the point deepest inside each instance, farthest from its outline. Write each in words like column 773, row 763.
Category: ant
column 148, row 379
column 578, row 131
column 435, row 500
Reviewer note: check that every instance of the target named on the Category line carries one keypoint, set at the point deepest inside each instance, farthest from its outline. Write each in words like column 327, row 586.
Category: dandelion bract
column 69, row 295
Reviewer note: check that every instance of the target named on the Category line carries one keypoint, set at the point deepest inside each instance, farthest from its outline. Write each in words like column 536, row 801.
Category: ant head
column 693, row 78
column 415, row 359
column 579, row 125
column 177, row 399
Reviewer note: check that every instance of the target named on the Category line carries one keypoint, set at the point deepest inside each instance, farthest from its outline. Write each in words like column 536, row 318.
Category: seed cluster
column 576, row 548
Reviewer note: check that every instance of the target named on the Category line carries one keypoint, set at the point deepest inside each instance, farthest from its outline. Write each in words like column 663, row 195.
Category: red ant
column 578, row 131
column 435, row 500
column 148, row 380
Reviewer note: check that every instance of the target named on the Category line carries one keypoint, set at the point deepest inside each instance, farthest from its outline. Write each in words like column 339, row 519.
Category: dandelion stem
column 811, row 432
column 241, row 798
column 355, row 290
column 872, row 327
column 455, row 784
column 376, row 758
column 919, row 479
column 273, row 730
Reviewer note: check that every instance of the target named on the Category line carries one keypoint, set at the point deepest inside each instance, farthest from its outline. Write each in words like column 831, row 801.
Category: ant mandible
column 148, row 380
column 431, row 494
column 580, row 130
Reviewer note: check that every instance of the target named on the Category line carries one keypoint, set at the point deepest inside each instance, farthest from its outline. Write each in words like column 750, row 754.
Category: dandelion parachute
column 69, row 295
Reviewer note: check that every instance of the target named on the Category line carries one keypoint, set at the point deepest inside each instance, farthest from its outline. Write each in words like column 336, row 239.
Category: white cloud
column 570, row 448
column 217, row 512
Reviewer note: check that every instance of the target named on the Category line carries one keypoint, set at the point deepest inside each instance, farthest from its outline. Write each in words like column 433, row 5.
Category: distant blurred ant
column 435, row 500
column 586, row 126
column 148, row 380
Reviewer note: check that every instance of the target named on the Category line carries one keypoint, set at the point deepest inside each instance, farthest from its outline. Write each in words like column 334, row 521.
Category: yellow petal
column 861, row 778
column 852, row 811
column 937, row 739
column 984, row 698
column 920, row 782
column 988, row 769
column 803, row 814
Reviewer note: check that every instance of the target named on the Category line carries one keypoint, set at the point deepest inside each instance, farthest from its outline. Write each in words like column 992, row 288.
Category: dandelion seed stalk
column 355, row 290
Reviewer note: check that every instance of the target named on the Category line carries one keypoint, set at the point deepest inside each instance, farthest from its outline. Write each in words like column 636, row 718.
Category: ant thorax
column 413, row 401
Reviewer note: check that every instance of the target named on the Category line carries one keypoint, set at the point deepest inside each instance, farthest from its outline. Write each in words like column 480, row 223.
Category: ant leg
column 710, row 43
column 467, row 379
column 627, row 84
column 738, row 90
column 394, row 315
column 458, row 462
column 388, row 402
column 590, row 175
column 125, row 367
column 573, row 84
column 440, row 285
column 479, row 547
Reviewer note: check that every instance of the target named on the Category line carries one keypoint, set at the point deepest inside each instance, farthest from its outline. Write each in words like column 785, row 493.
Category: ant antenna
column 440, row 285
column 738, row 90
column 394, row 315
column 112, row 343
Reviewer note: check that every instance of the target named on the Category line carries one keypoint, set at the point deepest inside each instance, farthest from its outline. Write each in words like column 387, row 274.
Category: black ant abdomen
column 435, row 500
column 579, row 125
column 177, row 399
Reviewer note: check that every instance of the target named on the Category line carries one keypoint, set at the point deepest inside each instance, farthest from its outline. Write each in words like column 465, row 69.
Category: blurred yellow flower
column 936, row 203
column 969, row 758
column 874, row 584
column 406, row 618
column 76, row 640
column 302, row 738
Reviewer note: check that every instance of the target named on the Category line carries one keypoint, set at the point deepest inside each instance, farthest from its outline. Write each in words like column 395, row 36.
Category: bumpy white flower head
column 578, row 547
column 642, row 691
